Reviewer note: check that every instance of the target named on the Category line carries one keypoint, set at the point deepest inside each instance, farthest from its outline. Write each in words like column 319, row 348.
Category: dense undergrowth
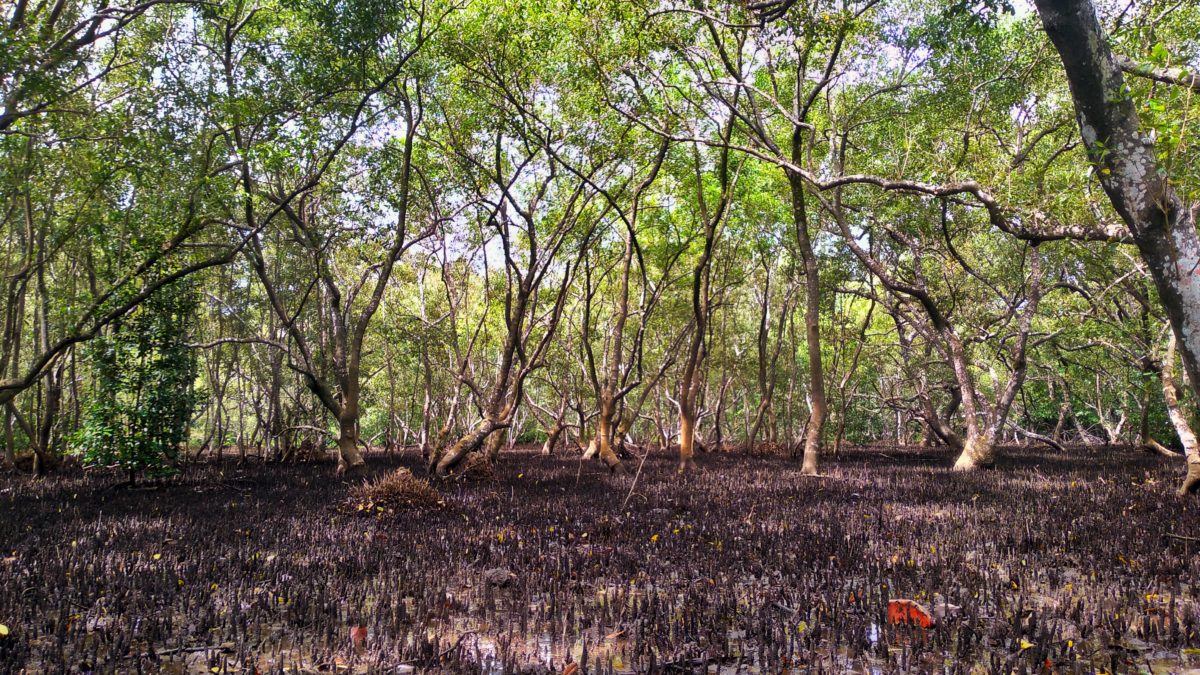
column 1049, row 564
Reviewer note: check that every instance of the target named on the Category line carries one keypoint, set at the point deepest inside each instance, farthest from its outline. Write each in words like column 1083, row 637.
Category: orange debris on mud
column 909, row 611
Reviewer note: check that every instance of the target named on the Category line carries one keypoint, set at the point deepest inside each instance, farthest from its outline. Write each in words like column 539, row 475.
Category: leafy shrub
column 145, row 372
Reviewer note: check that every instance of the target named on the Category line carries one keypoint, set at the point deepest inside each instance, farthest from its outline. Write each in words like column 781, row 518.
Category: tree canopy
column 611, row 226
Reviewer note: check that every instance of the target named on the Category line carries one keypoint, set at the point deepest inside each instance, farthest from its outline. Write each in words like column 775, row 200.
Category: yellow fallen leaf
column 156, row 556
column 1026, row 644
column 3, row 630
column 654, row 539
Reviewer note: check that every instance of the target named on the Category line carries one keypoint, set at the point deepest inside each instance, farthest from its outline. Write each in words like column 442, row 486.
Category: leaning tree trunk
column 1162, row 225
column 1145, row 440
column 553, row 435
column 464, row 446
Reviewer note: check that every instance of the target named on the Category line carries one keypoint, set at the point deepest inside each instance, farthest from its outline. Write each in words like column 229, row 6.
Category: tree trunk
column 44, row 447
column 10, row 450
column 812, row 440
column 464, row 446
column 1191, row 448
column 1162, row 225
column 350, row 460
column 604, row 442
column 819, row 409
column 1064, row 409
column 979, row 452
column 552, row 437
column 491, row 447
column 687, row 439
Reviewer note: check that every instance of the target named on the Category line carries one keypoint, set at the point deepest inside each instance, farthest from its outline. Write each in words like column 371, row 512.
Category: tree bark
column 818, row 407
column 552, row 437
column 491, row 447
column 1191, row 447
column 687, row 439
column 465, row 445
column 605, row 433
column 350, row 460
column 1163, row 227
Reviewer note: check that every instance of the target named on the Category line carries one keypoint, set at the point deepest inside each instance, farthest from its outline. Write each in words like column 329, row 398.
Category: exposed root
column 1191, row 482
column 1152, row 445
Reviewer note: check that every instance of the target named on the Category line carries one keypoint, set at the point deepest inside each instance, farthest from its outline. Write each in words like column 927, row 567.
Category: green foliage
column 145, row 374
column 108, row 185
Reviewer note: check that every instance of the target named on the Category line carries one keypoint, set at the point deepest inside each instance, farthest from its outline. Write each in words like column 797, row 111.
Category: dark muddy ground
column 1059, row 564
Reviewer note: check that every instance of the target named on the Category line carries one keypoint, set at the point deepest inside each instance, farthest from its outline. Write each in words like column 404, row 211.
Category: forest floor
column 1080, row 563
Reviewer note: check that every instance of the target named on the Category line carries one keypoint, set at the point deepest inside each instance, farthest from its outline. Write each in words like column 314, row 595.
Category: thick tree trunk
column 464, row 446
column 491, row 447
column 604, row 443
column 939, row 425
column 590, row 448
column 350, row 460
column 1162, row 225
column 979, row 452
